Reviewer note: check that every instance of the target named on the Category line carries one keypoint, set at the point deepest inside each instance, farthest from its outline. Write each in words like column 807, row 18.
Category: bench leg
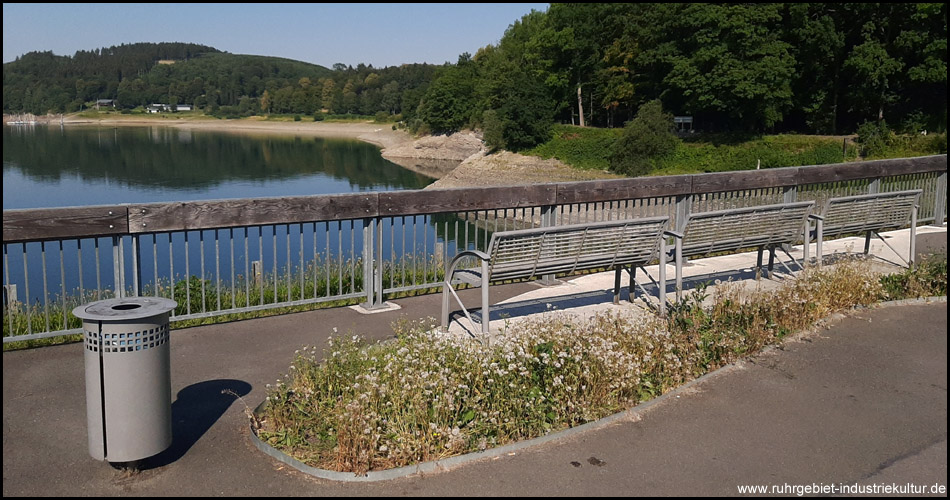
column 806, row 239
column 662, row 273
column 758, row 264
column 445, row 306
column 867, row 243
column 913, row 237
column 679, row 269
column 820, row 231
column 771, row 261
column 617, row 286
column 485, row 297
column 633, row 283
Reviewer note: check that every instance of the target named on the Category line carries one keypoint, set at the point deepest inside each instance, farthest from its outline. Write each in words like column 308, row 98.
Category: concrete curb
column 510, row 449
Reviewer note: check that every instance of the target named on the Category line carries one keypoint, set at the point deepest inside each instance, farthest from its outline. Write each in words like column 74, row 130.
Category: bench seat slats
column 536, row 252
column 874, row 212
column 725, row 230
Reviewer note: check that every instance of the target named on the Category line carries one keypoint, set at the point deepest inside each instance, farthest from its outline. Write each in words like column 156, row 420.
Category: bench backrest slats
column 527, row 253
column 734, row 229
column 869, row 212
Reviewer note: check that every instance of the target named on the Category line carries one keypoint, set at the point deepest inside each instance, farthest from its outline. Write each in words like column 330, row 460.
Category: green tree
column 265, row 102
column 647, row 137
column 329, row 89
column 448, row 104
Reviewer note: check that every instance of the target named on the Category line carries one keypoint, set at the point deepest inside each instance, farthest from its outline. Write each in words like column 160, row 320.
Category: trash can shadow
column 194, row 411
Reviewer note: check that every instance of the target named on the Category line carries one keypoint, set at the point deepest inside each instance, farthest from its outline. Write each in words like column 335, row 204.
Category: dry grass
column 425, row 396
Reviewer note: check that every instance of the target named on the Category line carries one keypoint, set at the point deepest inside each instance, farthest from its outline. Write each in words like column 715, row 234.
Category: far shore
column 379, row 134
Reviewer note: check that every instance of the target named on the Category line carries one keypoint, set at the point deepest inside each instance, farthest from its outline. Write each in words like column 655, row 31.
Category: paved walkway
column 862, row 402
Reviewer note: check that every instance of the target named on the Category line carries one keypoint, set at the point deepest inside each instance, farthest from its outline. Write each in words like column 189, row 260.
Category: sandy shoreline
column 380, row 134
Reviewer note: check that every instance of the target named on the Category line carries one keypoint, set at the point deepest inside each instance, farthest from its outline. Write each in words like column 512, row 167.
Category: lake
column 87, row 165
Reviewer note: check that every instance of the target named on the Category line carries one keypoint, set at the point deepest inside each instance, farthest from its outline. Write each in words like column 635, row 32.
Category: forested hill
column 144, row 73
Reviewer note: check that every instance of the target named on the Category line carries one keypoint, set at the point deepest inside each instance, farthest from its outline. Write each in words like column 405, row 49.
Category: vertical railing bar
column 82, row 292
column 62, row 284
column 231, row 248
column 26, row 291
column 445, row 250
column 201, row 252
column 466, row 231
column 155, row 266
column 119, row 253
column 98, row 270
column 353, row 265
column 136, row 266
column 45, row 292
column 302, row 271
column 187, row 276
column 247, row 272
column 475, row 235
column 339, row 255
column 217, row 268
column 316, row 266
column 378, row 275
column 326, row 229
column 392, row 252
column 403, row 280
column 171, row 266
column 415, row 249
column 485, row 231
column 260, row 255
column 289, row 264
column 273, row 233
column 425, row 252
column 6, row 282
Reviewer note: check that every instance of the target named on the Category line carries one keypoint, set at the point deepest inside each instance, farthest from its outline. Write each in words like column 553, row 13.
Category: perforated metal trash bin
column 128, row 377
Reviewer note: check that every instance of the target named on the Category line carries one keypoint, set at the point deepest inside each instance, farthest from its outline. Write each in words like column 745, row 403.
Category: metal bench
column 763, row 227
column 869, row 214
column 528, row 253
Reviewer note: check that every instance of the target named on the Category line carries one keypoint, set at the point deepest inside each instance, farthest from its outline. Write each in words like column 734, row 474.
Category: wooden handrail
column 94, row 221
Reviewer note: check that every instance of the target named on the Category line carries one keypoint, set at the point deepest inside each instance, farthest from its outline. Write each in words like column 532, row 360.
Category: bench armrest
column 816, row 217
column 450, row 267
column 674, row 234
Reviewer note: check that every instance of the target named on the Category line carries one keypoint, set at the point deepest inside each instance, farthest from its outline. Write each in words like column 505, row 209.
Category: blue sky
column 377, row 34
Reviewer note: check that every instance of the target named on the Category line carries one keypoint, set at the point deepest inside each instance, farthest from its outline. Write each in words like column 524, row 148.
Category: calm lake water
column 86, row 165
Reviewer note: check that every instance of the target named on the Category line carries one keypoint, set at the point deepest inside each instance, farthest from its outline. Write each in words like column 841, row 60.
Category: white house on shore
column 167, row 108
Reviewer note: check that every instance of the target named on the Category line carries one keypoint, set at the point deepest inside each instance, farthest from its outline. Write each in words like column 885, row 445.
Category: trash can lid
column 128, row 308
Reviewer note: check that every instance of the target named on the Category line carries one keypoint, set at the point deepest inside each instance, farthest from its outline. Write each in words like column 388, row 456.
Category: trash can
column 128, row 377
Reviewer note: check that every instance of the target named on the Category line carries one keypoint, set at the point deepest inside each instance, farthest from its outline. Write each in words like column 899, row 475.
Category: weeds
column 424, row 396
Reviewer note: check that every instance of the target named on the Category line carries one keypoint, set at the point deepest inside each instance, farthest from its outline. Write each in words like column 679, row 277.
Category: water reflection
column 136, row 164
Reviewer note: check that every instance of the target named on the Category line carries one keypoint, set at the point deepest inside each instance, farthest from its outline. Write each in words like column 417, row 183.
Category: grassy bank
column 197, row 295
column 590, row 149
column 424, row 396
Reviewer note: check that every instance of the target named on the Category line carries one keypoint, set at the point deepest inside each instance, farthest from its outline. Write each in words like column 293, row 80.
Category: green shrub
column 296, row 118
column 318, row 116
column 875, row 138
column 586, row 148
column 647, row 137
column 493, row 130
column 928, row 278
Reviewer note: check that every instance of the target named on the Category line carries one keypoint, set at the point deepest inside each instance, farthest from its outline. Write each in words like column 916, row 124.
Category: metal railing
column 244, row 255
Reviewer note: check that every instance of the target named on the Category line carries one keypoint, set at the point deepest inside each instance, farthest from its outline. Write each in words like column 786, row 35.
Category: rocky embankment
column 462, row 160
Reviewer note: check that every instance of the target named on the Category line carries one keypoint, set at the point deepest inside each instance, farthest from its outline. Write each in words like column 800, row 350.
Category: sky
column 377, row 34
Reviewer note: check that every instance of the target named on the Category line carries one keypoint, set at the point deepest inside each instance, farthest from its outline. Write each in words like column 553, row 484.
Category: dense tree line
column 822, row 68
column 817, row 68
column 217, row 82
